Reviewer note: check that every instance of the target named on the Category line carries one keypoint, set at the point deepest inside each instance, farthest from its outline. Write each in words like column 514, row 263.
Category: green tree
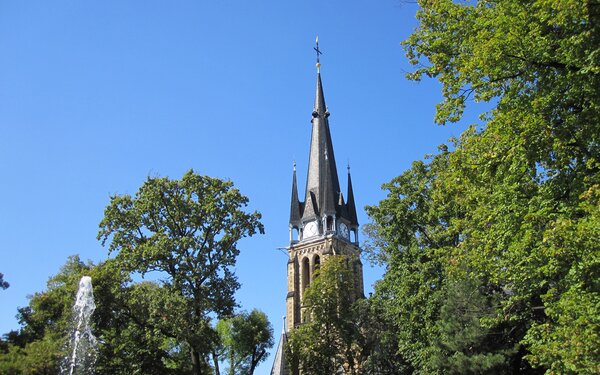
column 127, row 342
column 447, row 319
column 40, row 357
column 466, row 345
column 331, row 339
column 517, row 197
column 131, row 342
column 245, row 338
column 410, row 230
column 379, row 340
column 531, row 175
column 38, row 347
column 187, row 230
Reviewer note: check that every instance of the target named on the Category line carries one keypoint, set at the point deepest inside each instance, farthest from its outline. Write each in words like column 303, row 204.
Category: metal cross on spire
column 318, row 54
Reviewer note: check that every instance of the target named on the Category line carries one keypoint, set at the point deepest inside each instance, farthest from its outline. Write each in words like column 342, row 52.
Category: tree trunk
column 196, row 365
column 216, row 363
column 252, row 363
column 231, row 363
column 255, row 360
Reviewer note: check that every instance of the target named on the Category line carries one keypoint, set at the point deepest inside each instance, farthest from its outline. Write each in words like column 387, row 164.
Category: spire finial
column 294, row 165
column 318, row 54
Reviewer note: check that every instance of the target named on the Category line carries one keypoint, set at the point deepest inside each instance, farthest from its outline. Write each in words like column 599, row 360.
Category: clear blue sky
column 97, row 95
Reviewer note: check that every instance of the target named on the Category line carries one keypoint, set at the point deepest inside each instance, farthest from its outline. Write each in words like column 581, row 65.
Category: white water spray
column 83, row 344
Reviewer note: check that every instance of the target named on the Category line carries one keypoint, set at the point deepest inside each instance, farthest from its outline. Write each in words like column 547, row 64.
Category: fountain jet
column 82, row 344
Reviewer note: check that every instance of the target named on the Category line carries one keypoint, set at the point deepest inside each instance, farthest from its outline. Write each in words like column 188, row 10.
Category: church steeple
column 322, row 184
column 323, row 211
column 325, row 223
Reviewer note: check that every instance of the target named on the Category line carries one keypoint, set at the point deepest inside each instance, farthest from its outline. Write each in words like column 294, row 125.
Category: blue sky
column 97, row 95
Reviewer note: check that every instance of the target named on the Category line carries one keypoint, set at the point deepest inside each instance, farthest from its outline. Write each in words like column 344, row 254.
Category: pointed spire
column 322, row 184
column 320, row 109
column 295, row 203
column 323, row 196
column 351, row 206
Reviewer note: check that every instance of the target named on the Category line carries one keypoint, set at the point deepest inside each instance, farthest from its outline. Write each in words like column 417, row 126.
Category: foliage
column 41, row 357
column 187, row 230
column 409, row 227
column 130, row 341
column 568, row 340
column 127, row 345
column 3, row 284
column 509, row 217
column 331, row 339
column 38, row 347
column 343, row 332
column 144, row 328
column 380, row 341
column 245, row 337
column 466, row 345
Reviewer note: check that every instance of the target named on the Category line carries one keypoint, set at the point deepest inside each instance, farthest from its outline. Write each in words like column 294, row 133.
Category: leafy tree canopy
column 330, row 340
column 513, row 207
column 188, row 231
column 245, row 337
column 127, row 345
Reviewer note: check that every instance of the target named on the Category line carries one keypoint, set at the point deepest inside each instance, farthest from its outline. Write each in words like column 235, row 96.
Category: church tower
column 323, row 224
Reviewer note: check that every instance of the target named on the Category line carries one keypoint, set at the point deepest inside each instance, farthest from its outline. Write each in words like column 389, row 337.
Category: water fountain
column 82, row 344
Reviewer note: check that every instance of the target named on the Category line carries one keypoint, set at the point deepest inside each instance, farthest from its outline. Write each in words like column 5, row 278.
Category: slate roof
column 279, row 362
column 323, row 194
column 295, row 207
column 351, row 206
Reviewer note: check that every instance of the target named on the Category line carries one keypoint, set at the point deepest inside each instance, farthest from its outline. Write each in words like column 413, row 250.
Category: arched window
column 305, row 272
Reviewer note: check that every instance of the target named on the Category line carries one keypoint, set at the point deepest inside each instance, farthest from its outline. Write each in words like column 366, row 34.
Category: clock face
column 311, row 229
column 344, row 230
